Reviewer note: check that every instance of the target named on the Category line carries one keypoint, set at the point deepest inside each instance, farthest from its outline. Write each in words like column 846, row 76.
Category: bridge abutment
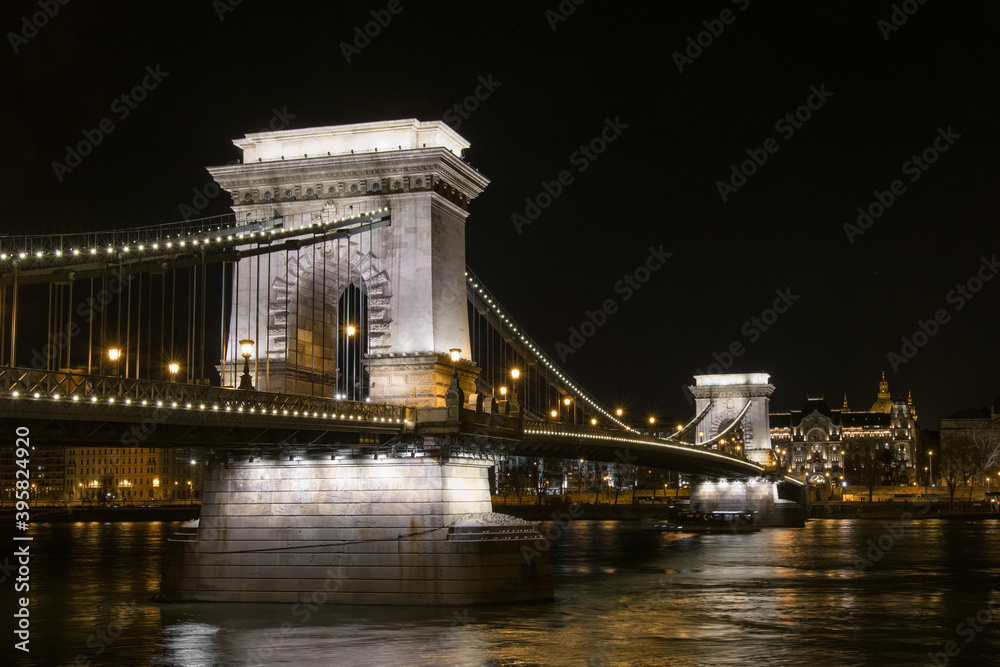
column 758, row 496
column 392, row 530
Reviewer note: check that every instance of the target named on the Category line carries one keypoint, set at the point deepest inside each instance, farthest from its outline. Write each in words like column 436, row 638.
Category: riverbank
column 70, row 514
column 931, row 509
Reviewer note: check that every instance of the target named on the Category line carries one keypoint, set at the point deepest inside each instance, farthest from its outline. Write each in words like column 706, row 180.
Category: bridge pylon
column 371, row 309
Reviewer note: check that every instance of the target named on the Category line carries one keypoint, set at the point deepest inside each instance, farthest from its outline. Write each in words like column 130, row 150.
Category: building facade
column 130, row 475
column 813, row 441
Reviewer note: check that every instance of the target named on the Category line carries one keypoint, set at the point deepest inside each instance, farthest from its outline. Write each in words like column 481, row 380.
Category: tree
column 867, row 465
column 957, row 463
column 984, row 451
column 106, row 490
column 624, row 476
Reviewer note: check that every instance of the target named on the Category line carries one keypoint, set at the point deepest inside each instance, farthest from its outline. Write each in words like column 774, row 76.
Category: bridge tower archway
column 724, row 396
column 412, row 261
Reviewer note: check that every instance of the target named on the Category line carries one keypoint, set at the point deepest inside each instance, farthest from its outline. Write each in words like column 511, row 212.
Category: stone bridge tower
column 410, row 274
column 728, row 394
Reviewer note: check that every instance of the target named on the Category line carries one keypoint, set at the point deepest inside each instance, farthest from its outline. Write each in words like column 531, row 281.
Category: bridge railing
column 30, row 384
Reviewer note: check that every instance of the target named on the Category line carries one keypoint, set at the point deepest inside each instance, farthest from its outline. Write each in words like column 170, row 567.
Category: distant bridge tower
column 406, row 279
column 728, row 394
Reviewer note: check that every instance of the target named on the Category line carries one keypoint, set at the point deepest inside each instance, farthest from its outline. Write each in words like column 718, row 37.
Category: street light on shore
column 173, row 367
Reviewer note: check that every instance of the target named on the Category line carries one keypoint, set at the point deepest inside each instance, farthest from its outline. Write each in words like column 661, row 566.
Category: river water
column 848, row 592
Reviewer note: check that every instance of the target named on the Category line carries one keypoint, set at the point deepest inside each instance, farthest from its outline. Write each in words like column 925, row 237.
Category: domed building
column 814, row 440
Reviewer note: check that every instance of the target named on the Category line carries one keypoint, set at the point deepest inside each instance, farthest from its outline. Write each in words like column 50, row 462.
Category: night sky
column 880, row 93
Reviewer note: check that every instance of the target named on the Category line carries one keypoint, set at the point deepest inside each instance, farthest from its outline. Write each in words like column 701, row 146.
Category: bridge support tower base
column 381, row 531
column 758, row 496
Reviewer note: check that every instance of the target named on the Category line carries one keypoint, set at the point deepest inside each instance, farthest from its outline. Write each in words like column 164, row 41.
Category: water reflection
column 623, row 597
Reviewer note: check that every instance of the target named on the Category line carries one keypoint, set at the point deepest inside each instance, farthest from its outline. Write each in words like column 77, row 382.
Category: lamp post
column 114, row 354
column 349, row 331
column 571, row 412
column 930, row 456
column 173, row 367
column 515, row 408
column 246, row 349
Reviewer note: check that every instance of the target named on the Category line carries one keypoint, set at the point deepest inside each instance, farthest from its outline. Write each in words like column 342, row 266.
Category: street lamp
column 514, row 410
column 114, row 354
column 619, row 412
column 246, row 349
column 173, row 367
column 593, row 421
column 930, row 455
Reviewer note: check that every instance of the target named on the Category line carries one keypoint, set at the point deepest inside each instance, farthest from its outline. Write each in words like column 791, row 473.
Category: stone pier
column 381, row 531
column 762, row 497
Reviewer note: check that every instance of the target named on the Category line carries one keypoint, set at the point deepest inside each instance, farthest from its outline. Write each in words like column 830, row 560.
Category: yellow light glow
column 173, row 368
column 350, row 329
column 114, row 353
column 503, row 391
column 554, row 413
column 455, row 353
column 246, row 348
column 514, row 373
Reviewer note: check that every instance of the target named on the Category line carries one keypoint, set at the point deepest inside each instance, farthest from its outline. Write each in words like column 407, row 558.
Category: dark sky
column 655, row 185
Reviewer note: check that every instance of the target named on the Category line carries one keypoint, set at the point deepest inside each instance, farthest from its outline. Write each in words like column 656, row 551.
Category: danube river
column 826, row 594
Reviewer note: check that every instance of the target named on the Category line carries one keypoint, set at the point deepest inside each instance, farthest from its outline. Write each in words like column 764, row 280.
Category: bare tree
column 958, row 464
column 984, row 451
column 866, row 465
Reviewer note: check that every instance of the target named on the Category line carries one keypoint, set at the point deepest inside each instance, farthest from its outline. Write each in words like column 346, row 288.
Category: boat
column 718, row 522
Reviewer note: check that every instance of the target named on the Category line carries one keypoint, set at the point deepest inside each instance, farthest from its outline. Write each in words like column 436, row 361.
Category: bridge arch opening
column 354, row 335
